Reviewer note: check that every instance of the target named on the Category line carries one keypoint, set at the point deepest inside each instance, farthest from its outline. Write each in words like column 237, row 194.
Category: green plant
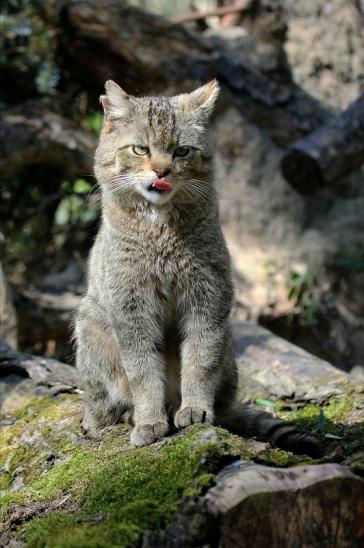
column 27, row 50
column 302, row 290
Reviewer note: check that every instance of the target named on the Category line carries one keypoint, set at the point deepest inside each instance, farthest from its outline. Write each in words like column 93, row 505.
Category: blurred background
column 286, row 68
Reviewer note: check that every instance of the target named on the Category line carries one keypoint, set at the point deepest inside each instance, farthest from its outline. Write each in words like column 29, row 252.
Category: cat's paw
column 145, row 434
column 192, row 415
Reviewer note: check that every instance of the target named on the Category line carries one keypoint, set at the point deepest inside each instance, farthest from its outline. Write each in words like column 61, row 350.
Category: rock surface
column 281, row 369
column 23, row 376
column 202, row 486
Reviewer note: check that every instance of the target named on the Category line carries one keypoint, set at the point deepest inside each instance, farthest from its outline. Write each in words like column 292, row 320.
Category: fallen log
column 146, row 53
column 331, row 152
column 253, row 505
column 33, row 134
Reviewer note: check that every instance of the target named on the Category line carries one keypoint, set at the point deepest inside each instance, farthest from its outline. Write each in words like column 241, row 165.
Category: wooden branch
column 232, row 19
column 240, row 6
column 331, row 152
column 32, row 135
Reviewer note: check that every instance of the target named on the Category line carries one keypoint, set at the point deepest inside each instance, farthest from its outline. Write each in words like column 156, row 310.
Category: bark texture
column 331, row 152
column 300, row 506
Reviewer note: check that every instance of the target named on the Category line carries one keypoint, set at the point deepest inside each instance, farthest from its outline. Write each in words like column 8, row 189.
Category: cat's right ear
column 116, row 103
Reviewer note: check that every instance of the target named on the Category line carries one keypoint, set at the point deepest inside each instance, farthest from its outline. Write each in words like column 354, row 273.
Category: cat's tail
column 250, row 422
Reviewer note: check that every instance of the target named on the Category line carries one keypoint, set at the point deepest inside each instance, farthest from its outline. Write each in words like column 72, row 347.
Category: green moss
column 335, row 412
column 103, row 492
column 120, row 490
column 127, row 491
column 282, row 459
column 334, row 418
column 42, row 432
column 5, row 481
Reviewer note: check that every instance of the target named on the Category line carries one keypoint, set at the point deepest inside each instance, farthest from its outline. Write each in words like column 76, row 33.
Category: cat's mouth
column 161, row 185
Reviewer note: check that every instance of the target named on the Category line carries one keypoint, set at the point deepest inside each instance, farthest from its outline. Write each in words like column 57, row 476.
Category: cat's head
column 155, row 147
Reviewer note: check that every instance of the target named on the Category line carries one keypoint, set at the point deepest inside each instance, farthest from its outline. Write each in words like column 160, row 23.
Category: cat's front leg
column 200, row 353
column 145, row 370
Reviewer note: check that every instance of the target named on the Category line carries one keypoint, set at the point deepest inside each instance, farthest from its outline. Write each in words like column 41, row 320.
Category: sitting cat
column 154, row 343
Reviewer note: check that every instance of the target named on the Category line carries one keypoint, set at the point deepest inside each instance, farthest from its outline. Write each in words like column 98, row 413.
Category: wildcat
column 154, row 343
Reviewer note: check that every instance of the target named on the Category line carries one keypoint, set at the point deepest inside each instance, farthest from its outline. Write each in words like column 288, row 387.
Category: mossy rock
column 61, row 489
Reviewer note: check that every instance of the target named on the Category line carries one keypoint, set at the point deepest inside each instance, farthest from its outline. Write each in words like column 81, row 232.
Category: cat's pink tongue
column 162, row 184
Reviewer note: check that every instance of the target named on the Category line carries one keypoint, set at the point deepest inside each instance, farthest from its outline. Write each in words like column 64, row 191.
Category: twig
column 242, row 5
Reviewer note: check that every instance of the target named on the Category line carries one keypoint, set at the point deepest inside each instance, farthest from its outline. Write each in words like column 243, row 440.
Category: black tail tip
column 302, row 444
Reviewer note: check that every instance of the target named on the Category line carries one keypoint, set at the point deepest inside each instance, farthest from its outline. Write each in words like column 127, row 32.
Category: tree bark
column 301, row 506
column 253, row 505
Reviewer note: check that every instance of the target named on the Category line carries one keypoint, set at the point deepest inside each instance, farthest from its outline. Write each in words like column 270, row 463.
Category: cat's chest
column 162, row 253
column 165, row 259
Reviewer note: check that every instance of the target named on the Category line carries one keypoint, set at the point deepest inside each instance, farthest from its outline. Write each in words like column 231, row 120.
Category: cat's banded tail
column 250, row 422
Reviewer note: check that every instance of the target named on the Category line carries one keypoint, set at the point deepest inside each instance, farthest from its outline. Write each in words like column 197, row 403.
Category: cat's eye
column 181, row 152
column 140, row 150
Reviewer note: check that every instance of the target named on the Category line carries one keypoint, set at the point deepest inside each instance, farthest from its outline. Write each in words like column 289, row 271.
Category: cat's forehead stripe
column 162, row 120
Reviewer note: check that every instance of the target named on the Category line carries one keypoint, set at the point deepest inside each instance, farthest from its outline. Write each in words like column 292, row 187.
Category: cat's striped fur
column 154, row 343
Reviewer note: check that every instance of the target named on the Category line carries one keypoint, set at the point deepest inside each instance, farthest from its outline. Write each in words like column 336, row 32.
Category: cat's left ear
column 116, row 103
column 201, row 101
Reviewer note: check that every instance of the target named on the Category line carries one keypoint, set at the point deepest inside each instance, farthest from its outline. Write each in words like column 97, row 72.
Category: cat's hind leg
column 101, row 411
column 107, row 396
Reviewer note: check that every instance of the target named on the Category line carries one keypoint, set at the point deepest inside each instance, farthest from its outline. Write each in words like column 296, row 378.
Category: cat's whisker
column 95, row 191
column 204, row 185
column 198, row 182
column 190, row 194
column 118, row 188
column 195, row 197
column 201, row 186
column 202, row 194
column 117, row 183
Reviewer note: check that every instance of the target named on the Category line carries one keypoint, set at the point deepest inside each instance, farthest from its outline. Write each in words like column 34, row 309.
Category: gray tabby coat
column 154, row 343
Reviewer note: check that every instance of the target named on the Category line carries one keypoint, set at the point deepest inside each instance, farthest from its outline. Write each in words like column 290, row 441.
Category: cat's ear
column 116, row 103
column 201, row 101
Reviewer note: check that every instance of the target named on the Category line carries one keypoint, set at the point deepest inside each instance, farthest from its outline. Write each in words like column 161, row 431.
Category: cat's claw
column 192, row 415
column 145, row 434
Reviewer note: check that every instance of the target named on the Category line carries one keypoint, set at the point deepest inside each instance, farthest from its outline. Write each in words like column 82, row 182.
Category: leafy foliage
column 27, row 51
column 301, row 290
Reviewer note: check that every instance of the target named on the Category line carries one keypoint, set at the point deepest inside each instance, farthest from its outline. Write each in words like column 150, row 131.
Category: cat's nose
column 162, row 171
